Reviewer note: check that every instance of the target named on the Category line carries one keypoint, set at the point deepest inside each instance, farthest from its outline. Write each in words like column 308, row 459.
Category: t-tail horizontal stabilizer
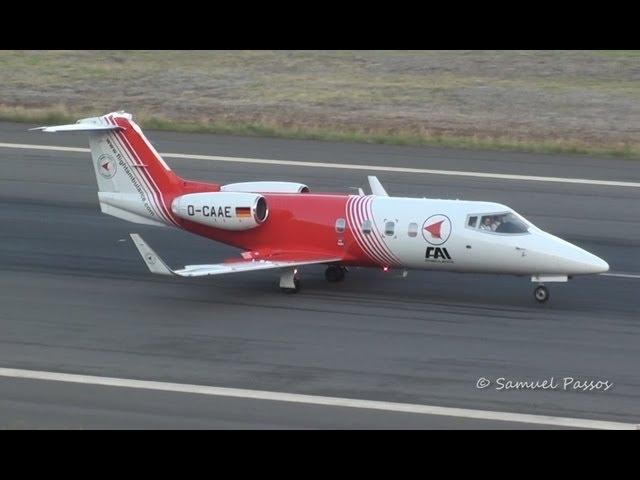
column 78, row 127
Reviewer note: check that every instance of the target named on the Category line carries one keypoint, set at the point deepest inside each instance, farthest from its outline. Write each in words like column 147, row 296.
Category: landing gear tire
column 295, row 289
column 334, row 273
column 541, row 293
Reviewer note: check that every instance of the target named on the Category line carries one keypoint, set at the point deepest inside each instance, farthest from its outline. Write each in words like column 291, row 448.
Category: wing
column 157, row 265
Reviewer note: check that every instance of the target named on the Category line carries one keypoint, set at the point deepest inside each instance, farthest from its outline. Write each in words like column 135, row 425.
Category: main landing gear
column 334, row 273
column 290, row 281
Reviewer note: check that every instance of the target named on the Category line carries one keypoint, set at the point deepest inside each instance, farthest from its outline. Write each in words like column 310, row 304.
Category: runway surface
column 75, row 297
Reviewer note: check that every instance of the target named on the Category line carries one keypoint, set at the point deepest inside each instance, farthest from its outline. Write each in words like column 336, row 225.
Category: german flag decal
column 243, row 212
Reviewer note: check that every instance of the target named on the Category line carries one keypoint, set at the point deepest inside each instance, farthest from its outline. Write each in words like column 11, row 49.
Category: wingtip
column 154, row 263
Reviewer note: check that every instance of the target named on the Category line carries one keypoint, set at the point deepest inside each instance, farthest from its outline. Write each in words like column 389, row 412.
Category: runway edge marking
column 316, row 400
column 348, row 166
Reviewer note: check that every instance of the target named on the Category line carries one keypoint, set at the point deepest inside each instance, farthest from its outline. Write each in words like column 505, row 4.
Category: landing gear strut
column 541, row 293
column 334, row 273
column 290, row 281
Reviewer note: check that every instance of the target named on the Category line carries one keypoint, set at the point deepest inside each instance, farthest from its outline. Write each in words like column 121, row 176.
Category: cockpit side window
column 473, row 219
column 502, row 223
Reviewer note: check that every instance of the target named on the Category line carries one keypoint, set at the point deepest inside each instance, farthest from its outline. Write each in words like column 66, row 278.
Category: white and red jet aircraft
column 281, row 225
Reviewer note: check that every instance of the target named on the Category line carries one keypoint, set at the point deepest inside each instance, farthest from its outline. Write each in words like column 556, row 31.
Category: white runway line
column 347, row 166
column 317, row 400
column 621, row 275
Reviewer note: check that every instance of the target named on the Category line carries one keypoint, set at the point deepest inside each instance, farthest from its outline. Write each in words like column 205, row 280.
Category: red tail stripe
column 150, row 190
column 136, row 157
column 156, row 204
column 157, row 193
column 147, row 171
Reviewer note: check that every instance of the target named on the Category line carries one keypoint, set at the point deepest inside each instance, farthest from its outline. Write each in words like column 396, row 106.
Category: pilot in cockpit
column 486, row 223
column 495, row 222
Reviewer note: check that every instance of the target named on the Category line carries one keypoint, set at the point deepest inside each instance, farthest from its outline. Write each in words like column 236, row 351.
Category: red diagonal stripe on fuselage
column 373, row 248
column 355, row 228
column 379, row 239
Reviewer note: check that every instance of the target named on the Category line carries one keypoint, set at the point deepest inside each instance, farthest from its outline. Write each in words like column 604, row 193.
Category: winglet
column 376, row 187
column 153, row 261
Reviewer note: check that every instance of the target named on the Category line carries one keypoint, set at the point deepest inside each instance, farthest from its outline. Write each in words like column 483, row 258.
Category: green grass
column 584, row 102
column 59, row 114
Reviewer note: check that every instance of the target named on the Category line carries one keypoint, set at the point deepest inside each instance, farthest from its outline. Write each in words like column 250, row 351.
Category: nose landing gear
column 541, row 293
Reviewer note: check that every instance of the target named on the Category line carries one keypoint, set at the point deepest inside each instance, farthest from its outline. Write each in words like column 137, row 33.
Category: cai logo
column 436, row 229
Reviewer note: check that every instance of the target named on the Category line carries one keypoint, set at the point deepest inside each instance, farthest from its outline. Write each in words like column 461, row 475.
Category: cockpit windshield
column 501, row 223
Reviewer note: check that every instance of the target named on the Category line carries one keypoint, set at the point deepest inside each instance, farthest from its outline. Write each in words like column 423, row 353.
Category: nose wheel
column 541, row 293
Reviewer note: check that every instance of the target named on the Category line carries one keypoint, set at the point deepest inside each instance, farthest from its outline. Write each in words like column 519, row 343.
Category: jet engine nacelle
column 266, row 187
column 225, row 210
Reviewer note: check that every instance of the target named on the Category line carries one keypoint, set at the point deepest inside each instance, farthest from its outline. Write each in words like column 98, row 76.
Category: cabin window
column 366, row 226
column 340, row 225
column 389, row 228
column 413, row 229
column 472, row 221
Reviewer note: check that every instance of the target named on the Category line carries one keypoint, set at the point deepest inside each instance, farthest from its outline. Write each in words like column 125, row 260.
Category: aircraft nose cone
column 588, row 263
column 571, row 259
column 599, row 265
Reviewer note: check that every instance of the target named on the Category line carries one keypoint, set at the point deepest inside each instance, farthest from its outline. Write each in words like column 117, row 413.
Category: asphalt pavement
column 75, row 297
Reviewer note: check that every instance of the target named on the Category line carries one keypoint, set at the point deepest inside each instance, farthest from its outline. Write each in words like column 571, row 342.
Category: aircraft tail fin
column 134, row 182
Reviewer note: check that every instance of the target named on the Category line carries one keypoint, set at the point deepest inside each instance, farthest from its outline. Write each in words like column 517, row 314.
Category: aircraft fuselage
column 413, row 233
